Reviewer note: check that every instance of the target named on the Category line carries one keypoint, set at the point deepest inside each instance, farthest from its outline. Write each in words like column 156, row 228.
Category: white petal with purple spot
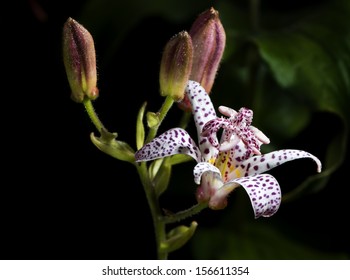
column 171, row 142
column 259, row 164
column 202, row 107
column 203, row 111
column 264, row 193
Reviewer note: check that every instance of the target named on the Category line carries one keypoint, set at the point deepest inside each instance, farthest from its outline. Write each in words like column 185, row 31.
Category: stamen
column 237, row 127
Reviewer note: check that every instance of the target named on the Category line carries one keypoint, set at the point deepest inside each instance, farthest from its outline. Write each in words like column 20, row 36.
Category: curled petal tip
column 227, row 111
column 264, row 193
column 319, row 165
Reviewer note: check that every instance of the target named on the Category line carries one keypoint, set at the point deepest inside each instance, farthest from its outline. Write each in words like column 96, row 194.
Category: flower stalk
column 159, row 225
column 93, row 116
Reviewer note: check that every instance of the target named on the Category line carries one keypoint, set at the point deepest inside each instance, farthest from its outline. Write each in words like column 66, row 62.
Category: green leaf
column 160, row 173
column 140, row 128
column 313, row 57
column 300, row 63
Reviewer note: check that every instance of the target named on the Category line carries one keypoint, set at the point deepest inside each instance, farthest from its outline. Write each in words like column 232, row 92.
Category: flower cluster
column 227, row 152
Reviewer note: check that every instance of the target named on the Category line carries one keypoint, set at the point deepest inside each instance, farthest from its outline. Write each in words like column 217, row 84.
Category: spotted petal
column 263, row 190
column 259, row 164
column 202, row 107
column 171, row 142
column 203, row 111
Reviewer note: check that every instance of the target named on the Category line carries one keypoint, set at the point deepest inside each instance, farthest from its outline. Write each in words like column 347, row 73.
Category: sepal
column 178, row 237
column 108, row 144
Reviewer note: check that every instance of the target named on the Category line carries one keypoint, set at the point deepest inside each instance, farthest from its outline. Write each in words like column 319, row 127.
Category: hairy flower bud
column 79, row 61
column 208, row 39
column 176, row 65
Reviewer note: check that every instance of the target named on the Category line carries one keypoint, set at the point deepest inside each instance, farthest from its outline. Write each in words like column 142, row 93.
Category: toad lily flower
column 233, row 161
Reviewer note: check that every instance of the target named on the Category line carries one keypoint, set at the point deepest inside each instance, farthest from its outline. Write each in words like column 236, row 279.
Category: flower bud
column 208, row 39
column 79, row 61
column 176, row 65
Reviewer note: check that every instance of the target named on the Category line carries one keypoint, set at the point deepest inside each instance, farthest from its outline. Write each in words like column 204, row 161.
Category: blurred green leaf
column 310, row 61
column 253, row 241
column 299, row 62
column 313, row 57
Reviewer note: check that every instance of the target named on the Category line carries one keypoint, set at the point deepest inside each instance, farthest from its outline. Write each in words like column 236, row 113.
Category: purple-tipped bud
column 80, row 61
column 176, row 65
column 208, row 39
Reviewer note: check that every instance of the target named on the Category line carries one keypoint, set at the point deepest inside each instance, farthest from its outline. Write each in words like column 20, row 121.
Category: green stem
column 92, row 114
column 161, row 115
column 158, row 223
column 195, row 209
